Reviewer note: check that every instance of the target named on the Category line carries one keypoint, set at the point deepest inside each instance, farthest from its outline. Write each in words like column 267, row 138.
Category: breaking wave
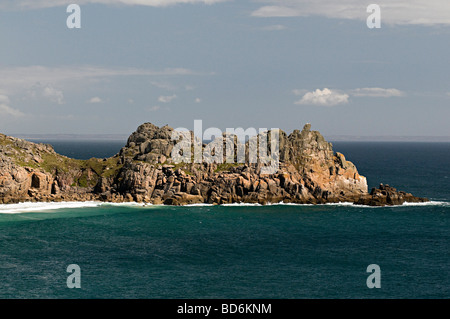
column 51, row 206
column 43, row 206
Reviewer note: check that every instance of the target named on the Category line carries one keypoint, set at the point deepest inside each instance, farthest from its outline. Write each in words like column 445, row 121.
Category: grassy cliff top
column 42, row 157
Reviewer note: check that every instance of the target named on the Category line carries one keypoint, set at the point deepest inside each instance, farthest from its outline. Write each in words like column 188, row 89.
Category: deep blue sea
column 276, row 251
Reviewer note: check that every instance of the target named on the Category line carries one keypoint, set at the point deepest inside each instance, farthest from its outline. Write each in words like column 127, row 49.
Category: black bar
column 226, row 308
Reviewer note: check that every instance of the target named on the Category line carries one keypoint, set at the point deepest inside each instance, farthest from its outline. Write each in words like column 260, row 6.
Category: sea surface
column 239, row 251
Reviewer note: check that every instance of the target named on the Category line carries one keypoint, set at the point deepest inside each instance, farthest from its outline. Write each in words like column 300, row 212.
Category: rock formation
column 143, row 171
column 35, row 172
column 386, row 195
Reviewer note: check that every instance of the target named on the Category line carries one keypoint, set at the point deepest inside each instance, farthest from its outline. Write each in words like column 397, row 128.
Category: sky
column 241, row 63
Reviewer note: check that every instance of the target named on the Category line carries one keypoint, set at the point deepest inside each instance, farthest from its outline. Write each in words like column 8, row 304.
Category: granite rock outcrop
column 309, row 171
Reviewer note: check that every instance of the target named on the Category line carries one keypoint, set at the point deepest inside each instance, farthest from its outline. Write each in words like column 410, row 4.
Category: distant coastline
column 351, row 138
column 73, row 137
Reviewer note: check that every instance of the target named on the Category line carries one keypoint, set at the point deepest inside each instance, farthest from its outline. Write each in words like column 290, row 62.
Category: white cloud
column 95, row 99
column 39, row 91
column 274, row 27
column 167, row 99
column 332, row 97
column 163, row 85
column 4, row 99
column 158, row 108
column 198, row 100
column 14, row 78
column 36, row 4
column 53, row 94
column 325, row 97
column 50, row 82
column 6, row 110
column 399, row 12
column 377, row 92
column 276, row 11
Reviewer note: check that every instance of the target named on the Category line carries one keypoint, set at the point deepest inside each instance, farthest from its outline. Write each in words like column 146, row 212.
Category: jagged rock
column 309, row 172
column 55, row 188
column 386, row 195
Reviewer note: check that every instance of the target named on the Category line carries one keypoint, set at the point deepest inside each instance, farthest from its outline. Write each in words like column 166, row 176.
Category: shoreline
column 37, row 207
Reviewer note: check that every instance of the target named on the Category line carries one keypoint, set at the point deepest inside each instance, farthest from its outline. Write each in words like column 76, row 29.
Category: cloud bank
column 38, row 4
column 14, row 80
column 377, row 92
column 394, row 12
column 6, row 110
column 50, row 83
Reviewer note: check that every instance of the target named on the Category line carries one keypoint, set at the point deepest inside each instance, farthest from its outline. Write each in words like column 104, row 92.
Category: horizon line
column 330, row 138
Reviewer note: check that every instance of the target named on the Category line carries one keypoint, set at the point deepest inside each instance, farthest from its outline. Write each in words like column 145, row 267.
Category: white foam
column 305, row 204
column 241, row 204
column 51, row 206
column 348, row 204
column 193, row 205
column 126, row 204
column 43, row 206
column 341, row 204
column 430, row 203
column 288, row 204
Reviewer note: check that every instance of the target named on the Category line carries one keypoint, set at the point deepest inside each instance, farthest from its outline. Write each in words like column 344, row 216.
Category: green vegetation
column 184, row 167
column 57, row 163
column 85, row 173
column 225, row 167
column 94, row 168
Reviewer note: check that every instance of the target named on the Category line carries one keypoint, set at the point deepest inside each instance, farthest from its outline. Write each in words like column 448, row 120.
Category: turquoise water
column 276, row 251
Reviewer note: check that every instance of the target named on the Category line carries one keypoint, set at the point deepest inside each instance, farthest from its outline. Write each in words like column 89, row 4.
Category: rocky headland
column 143, row 171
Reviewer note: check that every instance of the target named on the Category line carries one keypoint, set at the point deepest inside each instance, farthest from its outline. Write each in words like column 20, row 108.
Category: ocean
column 239, row 251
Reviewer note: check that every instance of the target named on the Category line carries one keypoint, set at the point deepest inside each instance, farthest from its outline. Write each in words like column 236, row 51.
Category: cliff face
column 309, row 173
column 35, row 172
column 327, row 172
column 18, row 178
column 143, row 171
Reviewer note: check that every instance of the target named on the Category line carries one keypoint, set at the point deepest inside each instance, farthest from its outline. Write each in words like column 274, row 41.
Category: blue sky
column 230, row 63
